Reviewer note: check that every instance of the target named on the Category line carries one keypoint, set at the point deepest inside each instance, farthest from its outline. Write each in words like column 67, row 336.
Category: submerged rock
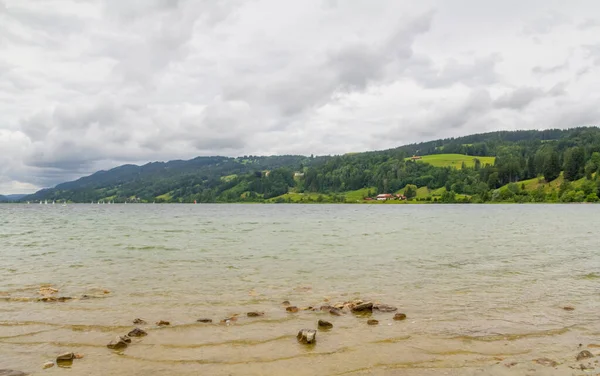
column 399, row 316
column 64, row 298
column 307, row 336
column 10, row 372
column 373, row 322
column 65, row 357
column 120, row 342
column 384, row 308
column 569, row 308
column 163, row 323
column 286, row 303
column 206, row 321
column 292, row 309
column 363, row 307
column 139, row 322
column 137, row 332
column 255, row 314
column 325, row 324
column 546, row 362
column 48, row 365
column 336, row 312
column 325, row 307
column 584, row 355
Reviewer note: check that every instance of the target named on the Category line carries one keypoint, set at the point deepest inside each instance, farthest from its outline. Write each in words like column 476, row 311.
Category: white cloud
column 95, row 84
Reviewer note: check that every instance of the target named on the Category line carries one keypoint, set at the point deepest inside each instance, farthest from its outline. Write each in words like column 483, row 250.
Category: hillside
column 476, row 168
column 3, row 198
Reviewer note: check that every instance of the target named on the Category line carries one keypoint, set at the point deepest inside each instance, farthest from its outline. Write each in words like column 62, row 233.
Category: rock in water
column 139, row 322
column 336, row 312
column 399, row 316
column 569, row 308
column 546, row 362
column 384, row 308
column 255, row 314
column 120, row 342
column 65, row 357
column 10, row 372
column 163, row 323
column 292, row 309
column 584, row 355
column 137, row 332
column 373, row 322
column 48, row 365
column 363, row 307
column 206, row 321
column 286, row 303
column 307, row 336
column 325, row 324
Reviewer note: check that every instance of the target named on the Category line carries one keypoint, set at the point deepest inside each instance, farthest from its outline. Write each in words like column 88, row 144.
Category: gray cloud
column 87, row 85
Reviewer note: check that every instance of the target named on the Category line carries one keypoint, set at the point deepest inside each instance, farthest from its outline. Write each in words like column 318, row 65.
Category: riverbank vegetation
column 519, row 166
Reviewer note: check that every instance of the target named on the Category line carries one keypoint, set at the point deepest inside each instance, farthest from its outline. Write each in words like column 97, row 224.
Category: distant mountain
column 3, row 198
column 15, row 197
column 515, row 155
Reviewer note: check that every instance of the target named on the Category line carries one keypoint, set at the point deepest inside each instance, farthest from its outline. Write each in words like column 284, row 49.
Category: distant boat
column 52, row 202
column 64, row 203
column 46, row 202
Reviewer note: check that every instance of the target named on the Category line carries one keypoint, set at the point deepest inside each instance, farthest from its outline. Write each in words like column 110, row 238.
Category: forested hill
column 3, row 199
column 476, row 168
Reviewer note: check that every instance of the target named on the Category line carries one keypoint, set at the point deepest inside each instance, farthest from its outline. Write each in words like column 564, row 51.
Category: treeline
column 544, row 155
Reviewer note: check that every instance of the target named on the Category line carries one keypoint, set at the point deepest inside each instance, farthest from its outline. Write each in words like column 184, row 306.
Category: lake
column 484, row 288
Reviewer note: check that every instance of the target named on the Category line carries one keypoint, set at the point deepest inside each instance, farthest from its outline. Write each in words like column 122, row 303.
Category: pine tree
column 551, row 168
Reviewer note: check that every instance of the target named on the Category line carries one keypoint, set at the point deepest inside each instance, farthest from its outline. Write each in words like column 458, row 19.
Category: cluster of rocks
column 121, row 342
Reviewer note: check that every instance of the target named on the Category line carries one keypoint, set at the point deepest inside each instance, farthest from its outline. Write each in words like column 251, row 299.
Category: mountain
column 470, row 168
column 4, row 199
column 14, row 197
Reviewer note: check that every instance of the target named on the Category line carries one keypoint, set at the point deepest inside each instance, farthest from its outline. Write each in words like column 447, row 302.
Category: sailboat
column 52, row 202
column 45, row 202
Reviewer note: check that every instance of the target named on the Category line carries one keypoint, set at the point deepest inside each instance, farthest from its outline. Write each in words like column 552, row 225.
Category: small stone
column 336, row 312
column 47, row 299
column 206, row 321
column 292, row 309
column 363, row 307
column 584, row 355
column 307, row 336
column 384, row 308
column 255, row 314
column 163, row 323
column 546, row 362
column 78, row 356
column 65, row 357
column 373, row 322
column 139, row 322
column 325, row 307
column 325, row 324
column 10, row 372
column 569, row 308
column 118, row 343
column 399, row 316
column 137, row 332
column 64, row 298
column 286, row 303
column 48, row 365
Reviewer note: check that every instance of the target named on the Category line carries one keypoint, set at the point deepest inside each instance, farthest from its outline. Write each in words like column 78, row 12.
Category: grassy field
column 454, row 160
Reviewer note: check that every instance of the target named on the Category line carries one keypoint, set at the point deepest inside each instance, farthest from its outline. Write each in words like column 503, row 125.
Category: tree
column 551, row 168
column 410, row 191
column 574, row 163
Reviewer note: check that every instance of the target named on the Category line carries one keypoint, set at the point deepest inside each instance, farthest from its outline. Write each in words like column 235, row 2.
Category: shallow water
column 483, row 286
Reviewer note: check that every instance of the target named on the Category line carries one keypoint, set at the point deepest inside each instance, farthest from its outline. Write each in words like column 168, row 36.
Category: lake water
column 483, row 287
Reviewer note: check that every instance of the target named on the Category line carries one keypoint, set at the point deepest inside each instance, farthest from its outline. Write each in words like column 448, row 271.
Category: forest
column 529, row 166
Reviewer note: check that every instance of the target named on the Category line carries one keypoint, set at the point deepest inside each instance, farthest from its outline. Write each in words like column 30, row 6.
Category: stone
column 10, row 372
column 307, row 336
column 47, row 299
column 78, row 356
column 64, row 298
column 325, row 307
column 206, row 321
column 139, row 322
column 384, row 308
column 569, row 308
column 584, row 355
column 336, row 312
column 546, row 362
column 286, row 303
column 137, row 332
column 373, row 322
column 363, row 307
column 120, row 342
column 292, row 309
column 399, row 316
column 48, row 365
column 325, row 324
column 65, row 357
column 255, row 314
column 163, row 323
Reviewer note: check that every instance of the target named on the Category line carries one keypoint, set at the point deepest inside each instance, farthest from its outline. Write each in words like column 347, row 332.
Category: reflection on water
column 483, row 287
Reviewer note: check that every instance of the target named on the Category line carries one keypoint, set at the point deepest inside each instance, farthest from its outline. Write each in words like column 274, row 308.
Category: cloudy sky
column 92, row 84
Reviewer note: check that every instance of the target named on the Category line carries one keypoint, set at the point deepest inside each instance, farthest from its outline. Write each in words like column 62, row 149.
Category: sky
column 92, row 84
